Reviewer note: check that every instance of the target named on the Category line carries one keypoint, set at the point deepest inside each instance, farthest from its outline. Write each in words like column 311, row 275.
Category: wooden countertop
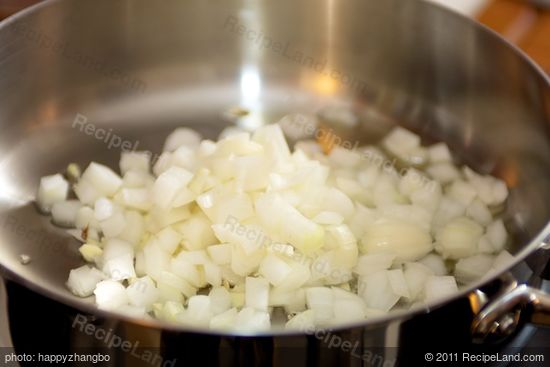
column 522, row 23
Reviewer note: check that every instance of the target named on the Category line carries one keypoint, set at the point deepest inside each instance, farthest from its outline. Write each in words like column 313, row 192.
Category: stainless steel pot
column 139, row 68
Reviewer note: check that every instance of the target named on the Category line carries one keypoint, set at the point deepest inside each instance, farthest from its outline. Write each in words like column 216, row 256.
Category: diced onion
column 226, row 234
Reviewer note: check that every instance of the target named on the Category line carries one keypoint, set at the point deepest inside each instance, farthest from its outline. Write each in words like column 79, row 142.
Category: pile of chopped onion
column 223, row 234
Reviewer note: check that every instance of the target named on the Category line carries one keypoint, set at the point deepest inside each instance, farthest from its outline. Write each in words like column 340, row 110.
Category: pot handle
column 499, row 317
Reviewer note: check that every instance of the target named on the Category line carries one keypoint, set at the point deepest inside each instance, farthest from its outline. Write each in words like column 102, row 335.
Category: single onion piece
column 496, row 233
column 169, row 310
column 402, row 238
column 440, row 153
column 282, row 218
column 320, row 300
column 143, row 293
column 83, row 280
column 162, row 164
column 462, row 192
column 52, row 189
column 448, row 210
column 257, row 293
column 428, row 196
column 225, row 320
column 302, row 321
column 230, row 131
column 115, row 247
column 103, row 209
column 411, row 213
column 102, row 178
column 348, row 310
column 438, row 287
column 86, row 192
column 184, row 157
column 412, row 181
column 220, row 254
column 298, row 126
column 155, row 260
column 212, row 274
column 120, row 267
column 274, row 269
column 168, row 239
column 136, row 198
column 85, row 218
column 274, row 143
column 137, row 179
column 472, row 268
column 458, row 238
column 299, row 275
column 220, row 300
column 416, row 275
column 435, row 263
column 238, row 144
column 196, row 232
column 134, row 227
column 110, row 295
column 347, row 306
column 297, row 303
column 377, row 291
column 168, row 184
column 400, row 141
column 361, row 218
column 113, row 226
column 182, row 136
column 373, row 263
column 177, row 283
column 443, row 172
column 502, row 260
column 183, row 268
column 343, row 157
column 490, row 190
column 64, row 213
column 90, row 252
column 198, row 311
column 135, row 161
column 249, row 319
column 479, row 212
column 279, row 298
column 398, row 283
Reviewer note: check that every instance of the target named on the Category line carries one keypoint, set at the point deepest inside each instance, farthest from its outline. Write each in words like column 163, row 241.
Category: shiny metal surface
column 496, row 317
column 141, row 68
